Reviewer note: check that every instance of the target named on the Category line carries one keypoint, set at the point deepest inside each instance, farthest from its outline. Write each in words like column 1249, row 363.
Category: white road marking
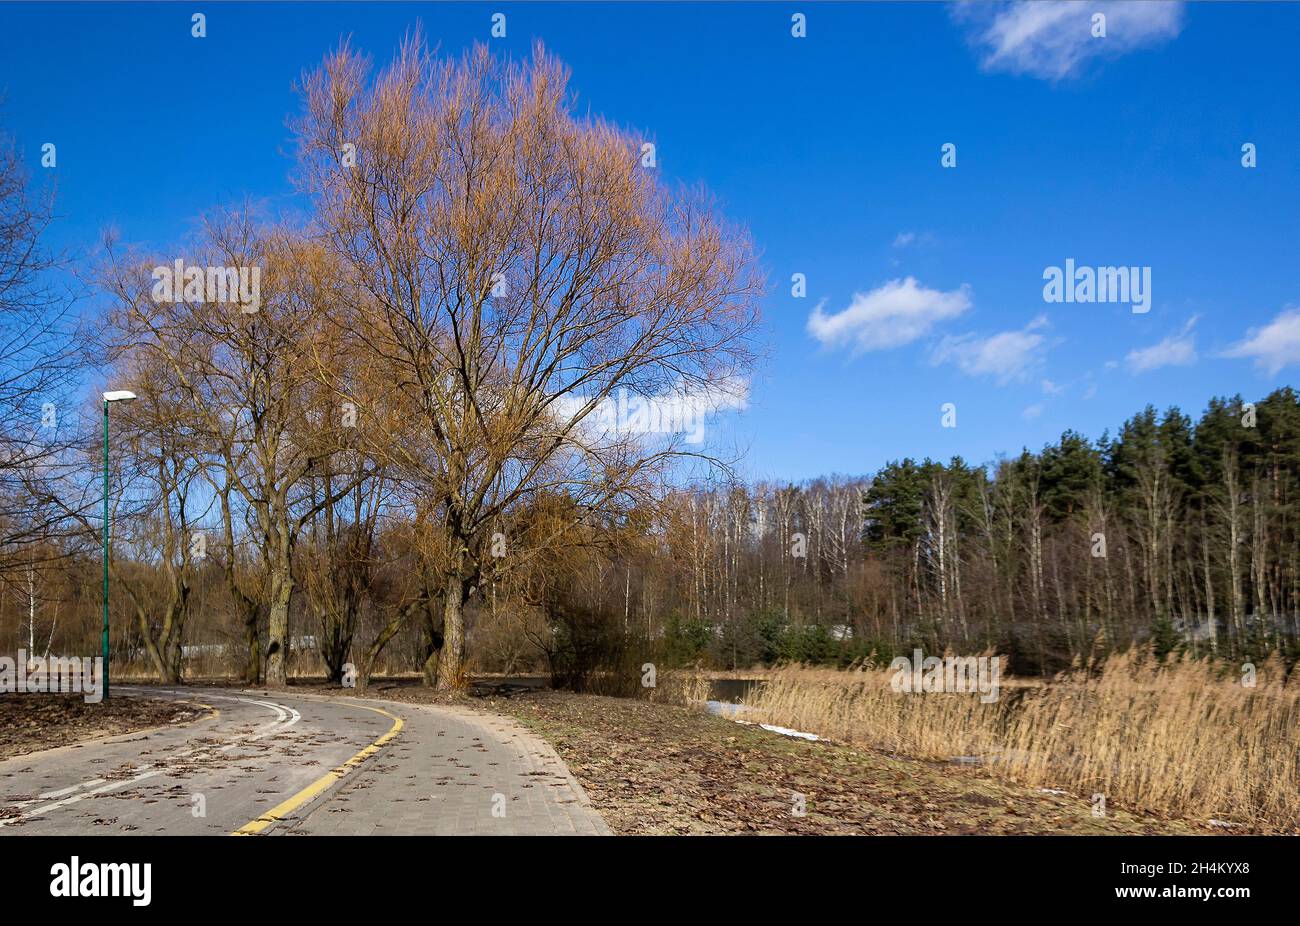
column 54, row 795
column 111, row 786
column 285, row 717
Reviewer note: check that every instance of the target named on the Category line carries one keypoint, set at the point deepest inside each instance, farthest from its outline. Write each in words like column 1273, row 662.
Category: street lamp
column 120, row 395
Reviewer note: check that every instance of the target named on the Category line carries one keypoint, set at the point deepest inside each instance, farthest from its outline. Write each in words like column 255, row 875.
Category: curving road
column 263, row 763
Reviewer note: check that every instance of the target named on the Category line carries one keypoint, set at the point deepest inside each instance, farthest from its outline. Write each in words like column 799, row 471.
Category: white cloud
column 906, row 239
column 1054, row 40
column 1008, row 355
column 1274, row 346
column 1177, row 350
column 1032, row 412
column 1051, row 388
column 893, row 315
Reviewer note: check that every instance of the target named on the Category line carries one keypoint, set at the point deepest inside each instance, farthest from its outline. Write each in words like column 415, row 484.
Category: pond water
column 731, row 690
column 721, row 690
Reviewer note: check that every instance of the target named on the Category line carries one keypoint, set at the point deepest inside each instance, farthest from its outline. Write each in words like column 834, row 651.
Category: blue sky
column 1122, row 150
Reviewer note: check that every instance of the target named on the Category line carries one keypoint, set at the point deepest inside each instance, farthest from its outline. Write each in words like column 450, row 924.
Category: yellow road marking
column 216, row 712
column 322, row 784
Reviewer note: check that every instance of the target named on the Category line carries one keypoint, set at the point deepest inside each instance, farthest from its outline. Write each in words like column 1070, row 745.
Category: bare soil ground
column 662, row 769
column 32, row 722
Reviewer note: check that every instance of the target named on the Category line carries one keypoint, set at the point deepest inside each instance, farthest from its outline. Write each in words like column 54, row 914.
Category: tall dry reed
column 1184, row 738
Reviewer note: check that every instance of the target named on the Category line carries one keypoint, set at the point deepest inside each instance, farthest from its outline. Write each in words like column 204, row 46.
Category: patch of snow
column 730, row 711
column 786, row 731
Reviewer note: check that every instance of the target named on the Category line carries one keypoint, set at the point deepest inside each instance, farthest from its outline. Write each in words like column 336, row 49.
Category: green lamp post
column 120, row 395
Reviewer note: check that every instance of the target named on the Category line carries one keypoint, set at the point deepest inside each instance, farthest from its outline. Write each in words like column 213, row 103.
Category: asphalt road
column 271, row 763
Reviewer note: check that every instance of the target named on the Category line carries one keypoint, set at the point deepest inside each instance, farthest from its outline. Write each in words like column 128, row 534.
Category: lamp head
column 120, row 395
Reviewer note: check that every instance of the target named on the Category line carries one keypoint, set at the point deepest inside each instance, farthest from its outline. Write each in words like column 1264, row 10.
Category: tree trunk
column 151, row 645
column 367, row 667
column 434, row 619
column 451, row 661
column 278, row 627
column 253, row 663
column 174, row 661
column 1208, row 575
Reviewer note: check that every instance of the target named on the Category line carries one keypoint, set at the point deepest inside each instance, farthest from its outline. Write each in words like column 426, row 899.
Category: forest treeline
column 1175, row 533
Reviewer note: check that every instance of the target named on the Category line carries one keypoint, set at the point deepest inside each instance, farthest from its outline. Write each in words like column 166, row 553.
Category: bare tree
column 39, row 359
column 259, row 390
column 521, row 267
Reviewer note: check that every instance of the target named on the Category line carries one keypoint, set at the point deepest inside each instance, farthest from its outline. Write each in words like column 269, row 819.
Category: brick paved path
column 263, row 762
column 455, row 771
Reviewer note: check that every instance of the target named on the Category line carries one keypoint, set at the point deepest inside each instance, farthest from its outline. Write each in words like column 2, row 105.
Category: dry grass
column 1180, row 739
column 681, row 688
column 658, row 768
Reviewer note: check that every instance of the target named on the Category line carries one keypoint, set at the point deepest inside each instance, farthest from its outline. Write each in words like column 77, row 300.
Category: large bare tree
column 524, row 269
